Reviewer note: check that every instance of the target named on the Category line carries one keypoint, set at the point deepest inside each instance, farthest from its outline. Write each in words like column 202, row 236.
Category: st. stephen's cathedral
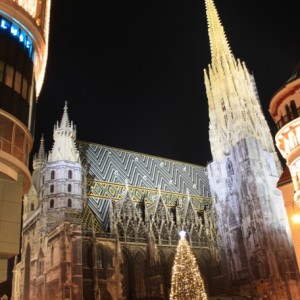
column 102, row 223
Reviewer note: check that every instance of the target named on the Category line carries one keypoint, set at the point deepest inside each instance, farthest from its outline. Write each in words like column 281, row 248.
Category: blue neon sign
column 4, row 24
column 16, row 32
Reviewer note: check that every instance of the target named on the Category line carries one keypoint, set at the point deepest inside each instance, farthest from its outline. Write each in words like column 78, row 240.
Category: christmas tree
column 187, row 283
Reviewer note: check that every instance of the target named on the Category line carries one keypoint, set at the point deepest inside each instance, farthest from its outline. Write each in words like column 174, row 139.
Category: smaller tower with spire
column 51, row 231
column 63, row 177
column 31, row 199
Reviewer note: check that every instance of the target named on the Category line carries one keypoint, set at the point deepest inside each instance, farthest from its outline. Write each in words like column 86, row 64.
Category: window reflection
column 14, row 79
column 13, row 139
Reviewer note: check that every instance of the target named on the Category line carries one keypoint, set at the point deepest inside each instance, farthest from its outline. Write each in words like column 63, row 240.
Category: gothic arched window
column 51, row 203
column 40, row 264
column 70, row 174
column 52, row 255
column 69, row 203
column 127, row 270
column 51, row 188
column 52, row 174
column 139, row 274
column 69, row 188
column 229, row 167
column 27, row 273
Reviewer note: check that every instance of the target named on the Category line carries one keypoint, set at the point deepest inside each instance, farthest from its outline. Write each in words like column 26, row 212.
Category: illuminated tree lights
column 187, row 283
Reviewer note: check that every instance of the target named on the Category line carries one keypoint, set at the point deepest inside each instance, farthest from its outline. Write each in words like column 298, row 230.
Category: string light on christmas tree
column 187, row 283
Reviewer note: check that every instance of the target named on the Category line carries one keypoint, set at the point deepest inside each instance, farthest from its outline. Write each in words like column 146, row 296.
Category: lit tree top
column 187, row 283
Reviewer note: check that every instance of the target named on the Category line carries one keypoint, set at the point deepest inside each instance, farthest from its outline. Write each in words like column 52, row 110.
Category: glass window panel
column 24, row 88
column 18, row 79
column 19, row 144
column 19, row 138
column 9, row 75
column 6, row 128
column 1, row 70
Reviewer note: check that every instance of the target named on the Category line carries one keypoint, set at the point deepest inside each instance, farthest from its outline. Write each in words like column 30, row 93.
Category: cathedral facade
column 103, row 223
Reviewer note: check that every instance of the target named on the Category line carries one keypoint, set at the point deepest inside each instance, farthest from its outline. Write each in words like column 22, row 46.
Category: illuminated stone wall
column 251, row 220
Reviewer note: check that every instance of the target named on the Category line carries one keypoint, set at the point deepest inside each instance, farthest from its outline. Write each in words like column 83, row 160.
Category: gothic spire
column 39, row 158
column 64, row 135
column 234, row 108
column 42, row 153
column 218, row 40
column 38, row 162
column 65, row 123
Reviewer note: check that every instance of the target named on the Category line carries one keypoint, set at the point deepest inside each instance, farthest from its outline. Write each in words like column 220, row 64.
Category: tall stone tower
column 63, row 177
column 49, row 232
column 24, row 29
column 254, row 240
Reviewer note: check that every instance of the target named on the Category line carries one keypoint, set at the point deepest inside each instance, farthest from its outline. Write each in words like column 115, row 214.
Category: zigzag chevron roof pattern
column 111, row 171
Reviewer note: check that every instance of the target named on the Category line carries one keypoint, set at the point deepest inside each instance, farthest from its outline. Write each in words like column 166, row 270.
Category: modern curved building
column 24, row 29
column 284, row 109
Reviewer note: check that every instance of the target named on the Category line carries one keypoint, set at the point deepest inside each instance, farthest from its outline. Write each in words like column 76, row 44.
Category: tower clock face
column 29, row 5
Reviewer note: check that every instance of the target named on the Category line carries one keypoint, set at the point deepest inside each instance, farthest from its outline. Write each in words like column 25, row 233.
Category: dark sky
column 132, row 71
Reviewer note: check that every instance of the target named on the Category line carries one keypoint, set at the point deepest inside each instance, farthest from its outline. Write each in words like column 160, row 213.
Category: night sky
column 132, row 71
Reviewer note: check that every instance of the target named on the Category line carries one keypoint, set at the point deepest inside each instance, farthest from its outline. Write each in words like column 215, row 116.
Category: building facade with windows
column 103, row 223
column 24, row 27
column 284, row 109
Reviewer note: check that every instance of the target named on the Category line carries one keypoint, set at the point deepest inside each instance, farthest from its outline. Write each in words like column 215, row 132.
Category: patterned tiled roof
column 112, row 171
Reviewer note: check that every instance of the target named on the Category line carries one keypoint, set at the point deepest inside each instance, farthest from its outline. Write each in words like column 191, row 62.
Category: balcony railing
column 288, row 118
column 18, row 153
column 14, row 139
